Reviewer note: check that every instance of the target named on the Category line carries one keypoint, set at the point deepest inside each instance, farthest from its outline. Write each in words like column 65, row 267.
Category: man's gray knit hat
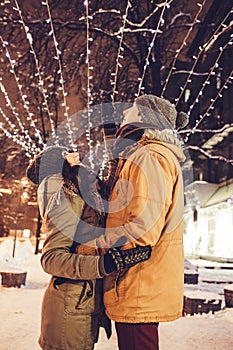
column 160, row 113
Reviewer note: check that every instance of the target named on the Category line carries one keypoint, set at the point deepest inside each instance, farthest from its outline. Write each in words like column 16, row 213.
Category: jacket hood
column 167, row 138
column 50, row 186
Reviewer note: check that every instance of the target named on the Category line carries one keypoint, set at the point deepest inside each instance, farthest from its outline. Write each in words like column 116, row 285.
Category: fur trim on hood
column 165, row 135
column 168, row 138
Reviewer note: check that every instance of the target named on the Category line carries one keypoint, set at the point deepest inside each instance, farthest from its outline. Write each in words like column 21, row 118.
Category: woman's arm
column 60, row 221
column 60, row 224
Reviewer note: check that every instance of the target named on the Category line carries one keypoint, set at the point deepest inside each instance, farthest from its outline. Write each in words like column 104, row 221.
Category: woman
column 73, row 214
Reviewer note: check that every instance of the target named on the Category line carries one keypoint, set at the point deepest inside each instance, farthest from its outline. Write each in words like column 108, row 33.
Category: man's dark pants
column 137, row 336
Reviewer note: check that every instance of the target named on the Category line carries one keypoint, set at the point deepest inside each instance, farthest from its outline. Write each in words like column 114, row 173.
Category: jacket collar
column 167, row 138
column 132, row 136
column 177, row 151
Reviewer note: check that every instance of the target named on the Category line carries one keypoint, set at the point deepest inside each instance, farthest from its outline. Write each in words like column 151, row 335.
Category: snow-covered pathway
column 20, row 320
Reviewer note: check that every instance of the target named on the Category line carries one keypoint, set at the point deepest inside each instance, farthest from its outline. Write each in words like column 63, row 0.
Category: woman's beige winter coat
column 71, row 310
column 146, row 206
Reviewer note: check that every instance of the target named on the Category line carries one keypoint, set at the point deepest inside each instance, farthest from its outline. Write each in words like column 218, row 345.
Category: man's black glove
column 116, row 259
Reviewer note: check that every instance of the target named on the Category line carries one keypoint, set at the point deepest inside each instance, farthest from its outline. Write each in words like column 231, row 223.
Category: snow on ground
column 20, row 309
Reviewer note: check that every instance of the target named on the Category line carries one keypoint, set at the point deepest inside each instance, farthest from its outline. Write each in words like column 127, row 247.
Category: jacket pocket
column 80, row 298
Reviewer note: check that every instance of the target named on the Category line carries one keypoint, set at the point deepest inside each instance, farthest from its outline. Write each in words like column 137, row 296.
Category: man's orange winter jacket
column 146, row 206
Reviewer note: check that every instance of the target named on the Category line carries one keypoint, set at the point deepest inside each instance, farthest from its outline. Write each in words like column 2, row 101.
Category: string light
column 213, row 100
column 16, row 115
column 22, row 95
column 127, row 26
column 146, row 19
column 16, row 139
column 200, row 93
column 211, row 106
column 89, row 77
column 61, row 80
column 38, row 73
column 120, row 51
column 7, row 119
column 202, row 131
column 183, row 44
column 211, row 72
column 196, row 58
column 141, row 79
column 208, row 155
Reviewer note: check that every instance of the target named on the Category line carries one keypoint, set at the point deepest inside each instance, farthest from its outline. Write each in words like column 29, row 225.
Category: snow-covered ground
column 20, row 309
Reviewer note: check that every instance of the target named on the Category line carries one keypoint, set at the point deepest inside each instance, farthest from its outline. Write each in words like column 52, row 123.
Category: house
column 209, row 220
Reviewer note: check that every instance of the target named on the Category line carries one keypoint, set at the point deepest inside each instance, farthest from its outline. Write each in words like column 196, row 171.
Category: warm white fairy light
column 9, row 122
column 211, row 72
column 89, row 67
column 183, row 44
column 9, row 104
column 151, row 45
column 104, row 162
column 146, row 19
column 138, row 27
column 16, row 115
column 202, row 131
column 189, row 73
column 101, row 11
column 89, row 77
column 127, row 30
column 210, row 107
column 205, row 47
column 20, row 139
column 208, row 155
column 16, row 138
column 213, row 100
column 38, row 74
column 61, row 80
column 18, row 142
column 119, row 52
column 22, row 95
column 223, row 29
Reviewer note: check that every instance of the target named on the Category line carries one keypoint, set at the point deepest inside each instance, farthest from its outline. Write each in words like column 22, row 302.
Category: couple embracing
column 114, row 248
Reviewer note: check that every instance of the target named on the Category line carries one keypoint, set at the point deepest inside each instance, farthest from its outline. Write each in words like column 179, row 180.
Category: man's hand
column 116, row 259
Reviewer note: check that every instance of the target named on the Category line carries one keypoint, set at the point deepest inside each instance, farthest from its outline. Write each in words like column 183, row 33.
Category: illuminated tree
column 58, row 57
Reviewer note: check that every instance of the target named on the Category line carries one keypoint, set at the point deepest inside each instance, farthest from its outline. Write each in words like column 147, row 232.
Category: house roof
column 222, row 194
column 205, row 194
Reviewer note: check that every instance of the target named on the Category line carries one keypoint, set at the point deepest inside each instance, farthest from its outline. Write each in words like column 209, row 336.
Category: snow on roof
column 206, row 194
column 199, row 294
column 229, row 287
column 222, row 194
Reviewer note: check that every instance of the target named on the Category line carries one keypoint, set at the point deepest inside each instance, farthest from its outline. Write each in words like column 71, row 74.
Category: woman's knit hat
column 47, row 162
column 160, row 113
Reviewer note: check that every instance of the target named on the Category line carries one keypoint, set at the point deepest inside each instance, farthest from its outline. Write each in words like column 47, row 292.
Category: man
column 146, row 207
